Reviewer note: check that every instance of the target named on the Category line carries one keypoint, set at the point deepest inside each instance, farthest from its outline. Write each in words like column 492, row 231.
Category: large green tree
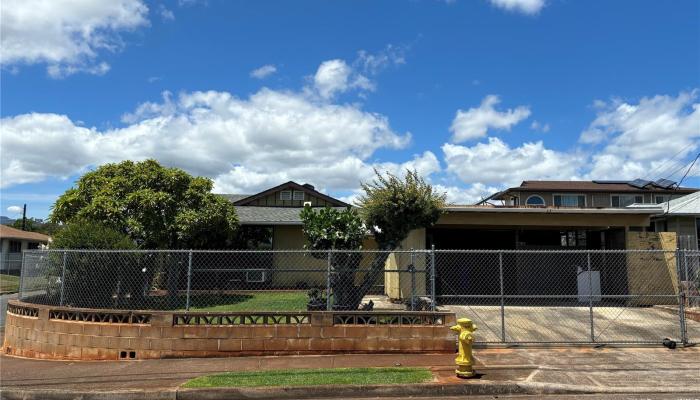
column 157, row 207
column 390, row 208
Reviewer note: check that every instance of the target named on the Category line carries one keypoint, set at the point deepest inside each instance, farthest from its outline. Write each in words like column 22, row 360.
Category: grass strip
column 314, row 377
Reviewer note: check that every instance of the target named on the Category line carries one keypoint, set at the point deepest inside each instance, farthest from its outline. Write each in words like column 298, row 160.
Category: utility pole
column 24, row 217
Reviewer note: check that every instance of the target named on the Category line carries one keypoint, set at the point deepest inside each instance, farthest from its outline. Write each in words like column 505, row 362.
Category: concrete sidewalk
column 597, row 369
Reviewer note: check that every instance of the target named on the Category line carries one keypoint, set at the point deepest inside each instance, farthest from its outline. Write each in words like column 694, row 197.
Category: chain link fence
column 514, row 296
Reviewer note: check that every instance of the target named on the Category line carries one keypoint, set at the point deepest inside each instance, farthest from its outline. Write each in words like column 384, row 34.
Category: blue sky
column 476, row 95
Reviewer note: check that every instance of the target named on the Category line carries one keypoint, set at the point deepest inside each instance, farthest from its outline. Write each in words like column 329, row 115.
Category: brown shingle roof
column 592, row 186
column 8, row 232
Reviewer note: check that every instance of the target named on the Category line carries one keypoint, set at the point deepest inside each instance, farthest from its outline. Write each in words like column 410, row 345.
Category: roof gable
column 272, row 197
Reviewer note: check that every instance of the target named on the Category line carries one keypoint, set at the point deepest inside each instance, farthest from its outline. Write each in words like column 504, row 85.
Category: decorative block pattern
column 63, row 333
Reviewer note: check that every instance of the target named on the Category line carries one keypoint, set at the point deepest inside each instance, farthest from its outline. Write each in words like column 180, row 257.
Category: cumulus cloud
column 528, row 7
column 15, row 209
column 68, row 36
column 336, row 76
column 263, row 72
column 165, row 13
column 538, row 126
column 475, row 122
column 631, row 139
column 497, row 163
column 243, row 143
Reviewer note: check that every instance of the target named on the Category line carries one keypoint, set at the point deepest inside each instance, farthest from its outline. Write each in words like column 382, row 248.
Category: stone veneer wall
column 47, row 332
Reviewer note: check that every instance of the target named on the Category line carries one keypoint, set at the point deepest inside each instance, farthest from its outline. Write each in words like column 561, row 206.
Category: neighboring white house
column 13, row 242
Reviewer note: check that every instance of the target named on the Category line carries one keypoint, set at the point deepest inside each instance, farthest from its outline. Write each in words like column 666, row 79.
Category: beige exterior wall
column 398, row 285
column 291, row 237
column 652, row 273
column 488, row 218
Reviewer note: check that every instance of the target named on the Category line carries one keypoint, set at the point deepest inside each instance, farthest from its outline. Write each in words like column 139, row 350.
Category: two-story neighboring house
column 589, row 194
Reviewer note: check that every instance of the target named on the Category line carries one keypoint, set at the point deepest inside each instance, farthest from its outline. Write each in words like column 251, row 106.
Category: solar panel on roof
column 639, row 183
column 664, row 183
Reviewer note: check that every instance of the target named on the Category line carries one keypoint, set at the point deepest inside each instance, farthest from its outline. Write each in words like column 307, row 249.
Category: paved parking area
column 573, row 324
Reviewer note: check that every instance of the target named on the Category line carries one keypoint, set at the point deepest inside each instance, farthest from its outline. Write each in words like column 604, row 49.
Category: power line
column 649, row 174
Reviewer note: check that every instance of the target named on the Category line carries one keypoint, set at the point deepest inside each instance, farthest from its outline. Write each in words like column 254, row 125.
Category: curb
column 336, row 391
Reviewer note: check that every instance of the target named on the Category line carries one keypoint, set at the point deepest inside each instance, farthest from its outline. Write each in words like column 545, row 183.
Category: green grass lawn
column 314, row 377
column 9, row 283
column 251, row 301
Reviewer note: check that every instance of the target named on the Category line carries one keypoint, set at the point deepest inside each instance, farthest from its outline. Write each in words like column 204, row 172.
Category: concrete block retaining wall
column 47, row 332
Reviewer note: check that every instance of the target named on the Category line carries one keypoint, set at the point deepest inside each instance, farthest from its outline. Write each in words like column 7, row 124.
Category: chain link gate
column 515, row 296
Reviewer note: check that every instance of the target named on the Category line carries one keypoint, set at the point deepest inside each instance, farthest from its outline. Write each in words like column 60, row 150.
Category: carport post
column 63, row 276
column 189, row 281
column 503, row 303
column 590, row 295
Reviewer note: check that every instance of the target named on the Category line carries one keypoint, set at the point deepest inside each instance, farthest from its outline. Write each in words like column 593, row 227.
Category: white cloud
column 538, row 126
column 528, row 7
column 336, row 76
column 244, row 144
column 475, row 122
column 66, row 35
column 165, row 13
column 263, row 72
column 15, row 209
column 496, row 163
column 636, row 138
column 373, row 63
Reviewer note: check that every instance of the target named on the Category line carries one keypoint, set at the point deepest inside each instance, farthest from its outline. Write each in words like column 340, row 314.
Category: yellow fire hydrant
column 465, row 329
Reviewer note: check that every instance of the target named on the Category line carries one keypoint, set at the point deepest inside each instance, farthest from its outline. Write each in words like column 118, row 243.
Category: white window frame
column 665, row 197
column 264, row 276
column 285, row 194
column 625, row 194
column 544, row 203
column 585, row 199
column 298, row 192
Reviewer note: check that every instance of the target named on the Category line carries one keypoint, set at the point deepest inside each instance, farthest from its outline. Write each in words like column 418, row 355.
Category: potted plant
column 317, row 300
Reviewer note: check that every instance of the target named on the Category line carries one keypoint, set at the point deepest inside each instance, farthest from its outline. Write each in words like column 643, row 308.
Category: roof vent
column 309, row 186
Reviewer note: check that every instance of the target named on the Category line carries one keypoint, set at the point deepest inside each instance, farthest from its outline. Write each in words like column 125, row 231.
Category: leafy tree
column 390, row 208
column 96, row 279
column 157, row 207
column 33, row 225
column 333, row 229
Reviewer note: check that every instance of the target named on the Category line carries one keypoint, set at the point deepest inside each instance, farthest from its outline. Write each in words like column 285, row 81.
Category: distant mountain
column 6, row 220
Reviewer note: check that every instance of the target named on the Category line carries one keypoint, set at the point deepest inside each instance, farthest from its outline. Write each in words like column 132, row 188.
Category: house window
column 15, row 246
column 660, row 199
column 624, row 200
column 573, row 238
column 298, row 195
column 32, row 246
column 570, row 200
column 285, row 195
column 535, row 200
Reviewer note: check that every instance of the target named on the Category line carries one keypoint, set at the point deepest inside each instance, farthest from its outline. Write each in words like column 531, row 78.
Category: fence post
column 189, row 281
column 63, row 277
column 681, row 298
column 503, row 300
column 433, row 297
column 22, row 271
column 328, row 282
column 413, row 280
column 590, row 294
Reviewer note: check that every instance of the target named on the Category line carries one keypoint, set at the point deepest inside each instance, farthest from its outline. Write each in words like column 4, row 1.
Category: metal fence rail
column 514, row 296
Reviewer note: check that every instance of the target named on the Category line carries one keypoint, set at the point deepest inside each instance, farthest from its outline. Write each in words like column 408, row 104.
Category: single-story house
column 13, row 242
column 560, row 224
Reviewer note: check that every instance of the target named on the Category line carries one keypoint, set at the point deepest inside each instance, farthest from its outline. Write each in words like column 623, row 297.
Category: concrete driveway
column 573, row 324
